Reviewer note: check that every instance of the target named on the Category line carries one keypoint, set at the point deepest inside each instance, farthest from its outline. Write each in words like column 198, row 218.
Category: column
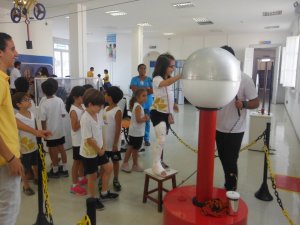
column 137, row 49
column 78, row 41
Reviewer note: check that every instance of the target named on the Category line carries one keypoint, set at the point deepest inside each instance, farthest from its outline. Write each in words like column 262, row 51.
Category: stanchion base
column 263, row 193
column 42, row 220
column 180, row 210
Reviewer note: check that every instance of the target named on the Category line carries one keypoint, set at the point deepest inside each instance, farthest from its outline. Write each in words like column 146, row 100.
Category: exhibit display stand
column 211, row 79
column 258, row 123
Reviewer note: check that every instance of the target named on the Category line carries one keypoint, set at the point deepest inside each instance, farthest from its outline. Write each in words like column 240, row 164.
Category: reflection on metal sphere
column 211, row 78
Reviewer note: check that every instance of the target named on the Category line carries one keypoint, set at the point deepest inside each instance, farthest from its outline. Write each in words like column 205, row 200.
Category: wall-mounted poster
column 111, row 47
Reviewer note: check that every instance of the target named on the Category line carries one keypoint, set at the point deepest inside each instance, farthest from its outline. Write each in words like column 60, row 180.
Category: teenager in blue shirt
column 142, row 81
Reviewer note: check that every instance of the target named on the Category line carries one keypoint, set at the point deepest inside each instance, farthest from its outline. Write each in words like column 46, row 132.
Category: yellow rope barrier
column 48, row 208
column 85, row 221
column 196, row 150
column 272, row 175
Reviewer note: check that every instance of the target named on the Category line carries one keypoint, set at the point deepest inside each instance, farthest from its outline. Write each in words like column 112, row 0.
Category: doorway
column 256, row 69
column 263, row 72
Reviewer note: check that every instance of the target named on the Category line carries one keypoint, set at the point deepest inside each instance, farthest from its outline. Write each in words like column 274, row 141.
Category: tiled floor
column 129, row 209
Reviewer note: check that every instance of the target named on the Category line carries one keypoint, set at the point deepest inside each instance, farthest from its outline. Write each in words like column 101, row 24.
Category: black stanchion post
column 41, row 218
column 91, row 210
column 263, row 193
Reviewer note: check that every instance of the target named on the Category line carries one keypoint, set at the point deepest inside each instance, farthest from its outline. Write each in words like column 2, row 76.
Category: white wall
column 120, row 71
column 182, row 47
column 292, row 96
column 40, row 35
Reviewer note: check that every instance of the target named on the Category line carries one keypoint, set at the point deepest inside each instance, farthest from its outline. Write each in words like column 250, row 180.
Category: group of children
column 96, row 121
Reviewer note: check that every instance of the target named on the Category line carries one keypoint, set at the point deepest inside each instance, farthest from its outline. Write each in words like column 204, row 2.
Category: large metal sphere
column 211, row 78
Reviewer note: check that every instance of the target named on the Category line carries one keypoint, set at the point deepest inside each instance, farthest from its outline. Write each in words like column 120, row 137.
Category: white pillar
column 137, row 48
column 78, row 41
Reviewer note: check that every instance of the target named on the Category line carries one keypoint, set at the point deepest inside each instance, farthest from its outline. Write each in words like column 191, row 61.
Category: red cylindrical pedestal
column 179, row 209
column 206, row 155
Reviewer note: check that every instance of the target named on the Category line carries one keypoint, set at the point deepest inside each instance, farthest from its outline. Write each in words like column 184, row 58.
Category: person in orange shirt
column 90, row 73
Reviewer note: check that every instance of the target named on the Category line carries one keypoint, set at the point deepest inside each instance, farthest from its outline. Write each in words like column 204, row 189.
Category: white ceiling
column 230, row 16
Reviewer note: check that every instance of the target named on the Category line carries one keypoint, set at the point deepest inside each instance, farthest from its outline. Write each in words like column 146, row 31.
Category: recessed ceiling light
column 144, row 24
column 265, row 60
column 203, row 21
column 272, row 27
column 116, row 13
column 272, row 13
column 67, row 17
column 200, row 19
column 168, row 34
column 181, row 5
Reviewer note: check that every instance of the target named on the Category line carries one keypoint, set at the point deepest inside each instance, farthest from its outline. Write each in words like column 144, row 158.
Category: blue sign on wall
column 32, row 64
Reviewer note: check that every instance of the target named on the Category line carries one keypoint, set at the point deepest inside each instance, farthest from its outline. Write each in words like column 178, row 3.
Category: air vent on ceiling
column 182, row 5
column 272, row 27
column 272, row 13
column 203, row 21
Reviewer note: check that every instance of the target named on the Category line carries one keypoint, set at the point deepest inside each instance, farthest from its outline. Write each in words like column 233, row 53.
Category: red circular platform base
column 179, row 209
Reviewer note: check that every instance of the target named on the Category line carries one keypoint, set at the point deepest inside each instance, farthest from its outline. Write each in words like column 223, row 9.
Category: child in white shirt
column 112, row 116
column 22, row 103
column 74, row 108
column 52, row 111
column 136, row 130
column 92, row 147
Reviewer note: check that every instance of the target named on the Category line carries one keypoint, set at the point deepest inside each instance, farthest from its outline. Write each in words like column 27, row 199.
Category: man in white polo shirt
column 231, row 125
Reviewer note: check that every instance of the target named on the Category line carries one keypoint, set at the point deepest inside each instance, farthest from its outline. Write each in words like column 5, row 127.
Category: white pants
column 10, row 197
column 160, row 134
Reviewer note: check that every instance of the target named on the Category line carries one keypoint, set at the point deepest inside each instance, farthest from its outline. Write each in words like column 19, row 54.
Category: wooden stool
column 171, row 174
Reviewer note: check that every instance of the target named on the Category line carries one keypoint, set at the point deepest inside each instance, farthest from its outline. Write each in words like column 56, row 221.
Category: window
column 61, row 58
column 289, row 62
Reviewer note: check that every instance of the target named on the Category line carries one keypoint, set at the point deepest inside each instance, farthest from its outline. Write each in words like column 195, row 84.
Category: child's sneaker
column 60, row 168
column 84, row 181
column 109, row 196
column 28, row 191
column 51, row 174
column 125, row 168
column 137, row 168
column 78, row 190
column 117, row 185
column 64, row 173
column 99, row 205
